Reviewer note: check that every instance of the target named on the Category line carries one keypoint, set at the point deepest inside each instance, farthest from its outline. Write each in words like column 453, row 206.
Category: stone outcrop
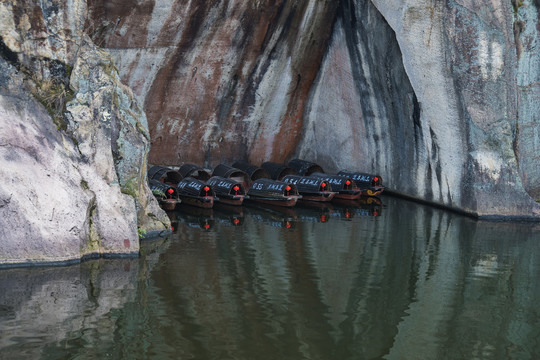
column 73, row 143
column 440, row 98
column 462, row 59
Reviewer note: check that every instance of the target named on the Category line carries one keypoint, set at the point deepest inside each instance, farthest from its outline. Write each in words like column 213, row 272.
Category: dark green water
column 335, row 283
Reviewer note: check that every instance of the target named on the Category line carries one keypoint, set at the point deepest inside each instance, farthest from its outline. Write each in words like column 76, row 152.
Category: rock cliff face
column 462, row 59
column 220, row 80
column 73, row 142
column 440, row 98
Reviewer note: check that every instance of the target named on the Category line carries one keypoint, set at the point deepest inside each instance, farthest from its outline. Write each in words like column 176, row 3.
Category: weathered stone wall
column 433, row 93
column 461, row 58
column 220, row 80
column 440, row 98
column 526, row 35
column 73, row 142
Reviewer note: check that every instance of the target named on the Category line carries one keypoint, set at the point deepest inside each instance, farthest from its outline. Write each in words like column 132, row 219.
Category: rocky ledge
column 73, row 142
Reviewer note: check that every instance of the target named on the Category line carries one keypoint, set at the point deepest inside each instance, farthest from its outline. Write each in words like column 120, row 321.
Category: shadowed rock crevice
column 7, row 54
column 374, row 112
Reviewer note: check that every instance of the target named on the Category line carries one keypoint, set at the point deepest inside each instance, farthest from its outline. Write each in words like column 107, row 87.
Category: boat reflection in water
column 278, row 216
column 365, row 206
column 194, row 217
column 273, row 215
column 229, row 214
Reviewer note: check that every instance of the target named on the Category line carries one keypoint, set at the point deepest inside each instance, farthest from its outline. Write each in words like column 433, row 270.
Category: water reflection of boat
column 286, row 217
column 365, row 206
column 195, row 217
column 344, row 212
column 229, row 214
column 370, row 200
column 314, row 211
column 276, row 216
column 174, row 221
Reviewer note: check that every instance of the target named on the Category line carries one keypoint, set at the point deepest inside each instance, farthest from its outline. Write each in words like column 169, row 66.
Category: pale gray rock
column 461, row 60
column 527, row 37
column 43, row 207
column 73, row 145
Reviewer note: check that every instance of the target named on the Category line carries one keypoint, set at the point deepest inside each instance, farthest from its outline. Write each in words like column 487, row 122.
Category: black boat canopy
column 305, row 168
column 278, row 171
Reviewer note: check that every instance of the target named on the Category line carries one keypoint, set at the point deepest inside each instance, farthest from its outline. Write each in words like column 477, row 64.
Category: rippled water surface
column 395, row 280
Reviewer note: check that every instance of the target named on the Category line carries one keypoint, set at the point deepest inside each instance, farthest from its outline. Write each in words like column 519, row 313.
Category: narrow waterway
column 388, row 280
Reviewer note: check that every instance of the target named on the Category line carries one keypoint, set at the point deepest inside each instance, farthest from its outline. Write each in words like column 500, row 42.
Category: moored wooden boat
column 196, row 193
column 230, row 172
column 311, row 188
column 370, row 185
column 166, row 195
column 227, row 190
column 344, row 187
column 274, row 192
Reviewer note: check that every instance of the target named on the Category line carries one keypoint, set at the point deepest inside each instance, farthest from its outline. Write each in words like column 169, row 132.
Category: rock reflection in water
column 319, row 282
column 67, row 307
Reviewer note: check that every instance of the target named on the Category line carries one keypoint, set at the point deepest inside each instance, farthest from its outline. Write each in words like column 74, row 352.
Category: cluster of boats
column 271, row 183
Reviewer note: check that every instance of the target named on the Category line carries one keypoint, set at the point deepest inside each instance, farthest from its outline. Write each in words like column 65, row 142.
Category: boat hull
column 321, row 197
column 168, row 204
column 285, row 202
column 235, row 200
column 205, row 202
column 348, row 195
